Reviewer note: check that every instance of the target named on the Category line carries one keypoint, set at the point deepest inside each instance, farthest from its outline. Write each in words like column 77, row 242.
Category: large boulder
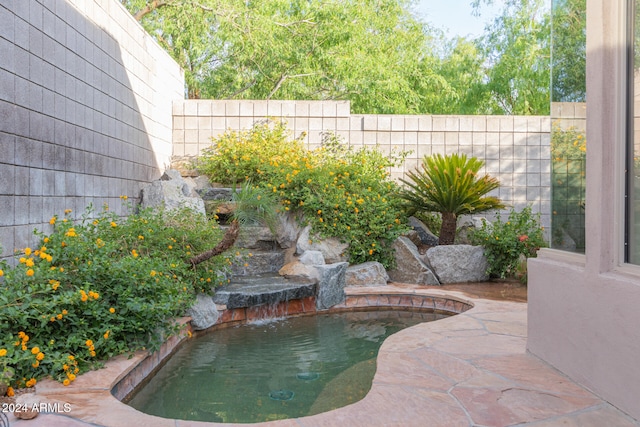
column 370, row 273
column 331, row 284
column 410, row 267
column 203, row 312
column 423, row 233
column 458, row 263
column 171, row 192
column 332, row 249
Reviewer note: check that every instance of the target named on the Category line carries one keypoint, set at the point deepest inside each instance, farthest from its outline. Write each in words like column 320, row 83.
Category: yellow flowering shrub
column 342, row 192
column 95, row 290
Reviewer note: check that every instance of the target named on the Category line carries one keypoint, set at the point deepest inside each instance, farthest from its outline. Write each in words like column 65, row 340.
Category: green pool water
column 273, row 369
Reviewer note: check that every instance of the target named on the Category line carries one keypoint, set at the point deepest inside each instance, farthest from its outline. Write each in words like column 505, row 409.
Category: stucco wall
column 85, row 111
column 583, row 312
column 515, row 148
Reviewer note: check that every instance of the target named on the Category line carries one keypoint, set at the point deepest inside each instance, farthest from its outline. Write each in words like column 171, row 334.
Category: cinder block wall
column 516, row 149
column 85, row 111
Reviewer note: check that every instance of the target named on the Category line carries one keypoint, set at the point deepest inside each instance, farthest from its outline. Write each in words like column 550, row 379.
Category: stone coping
column 464, row 370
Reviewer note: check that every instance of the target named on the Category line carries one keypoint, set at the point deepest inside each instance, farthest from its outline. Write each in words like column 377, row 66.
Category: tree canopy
column 375, row 53
column 569, row 56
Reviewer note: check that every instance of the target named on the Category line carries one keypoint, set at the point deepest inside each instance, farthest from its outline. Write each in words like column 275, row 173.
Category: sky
column 455, row 16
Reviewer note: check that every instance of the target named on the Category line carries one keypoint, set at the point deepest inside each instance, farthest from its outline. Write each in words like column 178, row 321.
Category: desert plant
column 449, row 185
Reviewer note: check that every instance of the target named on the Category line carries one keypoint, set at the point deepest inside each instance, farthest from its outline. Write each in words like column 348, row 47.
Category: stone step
column 259, row 263
column 262, row 289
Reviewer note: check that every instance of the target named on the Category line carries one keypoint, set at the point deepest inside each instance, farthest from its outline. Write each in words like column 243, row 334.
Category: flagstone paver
column 467, row 370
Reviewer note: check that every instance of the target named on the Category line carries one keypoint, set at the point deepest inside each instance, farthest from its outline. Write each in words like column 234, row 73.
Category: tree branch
column 157, row 4
column 281, row 80
column 150, row 7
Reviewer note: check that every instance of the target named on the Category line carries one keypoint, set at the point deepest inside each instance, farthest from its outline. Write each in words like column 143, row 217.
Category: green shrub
column 342, row 192
column 97, row 287
column 506, row 242
column 236, row 157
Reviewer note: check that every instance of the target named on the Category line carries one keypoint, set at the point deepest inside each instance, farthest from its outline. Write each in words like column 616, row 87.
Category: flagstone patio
column 467, row 370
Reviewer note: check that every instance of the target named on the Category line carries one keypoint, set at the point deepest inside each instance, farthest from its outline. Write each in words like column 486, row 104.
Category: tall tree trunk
column 229, row 238
column 448, row 228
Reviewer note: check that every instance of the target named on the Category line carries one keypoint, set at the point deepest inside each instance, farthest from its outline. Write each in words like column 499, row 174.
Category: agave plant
column 449, row 185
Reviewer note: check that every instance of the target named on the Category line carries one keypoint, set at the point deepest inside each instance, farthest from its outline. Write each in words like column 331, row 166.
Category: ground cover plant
column 98, row 286
column 509, row 243
column 341, row 192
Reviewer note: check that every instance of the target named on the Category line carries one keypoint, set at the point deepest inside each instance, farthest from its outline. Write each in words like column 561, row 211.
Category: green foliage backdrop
column 375, row 53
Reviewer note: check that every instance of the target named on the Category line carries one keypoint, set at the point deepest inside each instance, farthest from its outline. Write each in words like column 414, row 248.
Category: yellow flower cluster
column 58, row 316
column 24, row 338
column 90, row 347
column 84, row 296
column 39, row 356
column 70, row 369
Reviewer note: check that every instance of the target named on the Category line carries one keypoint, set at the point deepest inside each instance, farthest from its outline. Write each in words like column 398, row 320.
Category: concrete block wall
column 516, row 149
column 569, row 115
column 85, row 111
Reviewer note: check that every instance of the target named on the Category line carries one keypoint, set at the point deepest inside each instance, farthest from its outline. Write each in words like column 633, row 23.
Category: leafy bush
column 507, row 242
column 241, row 156
column 342, row 192
column 98, row 287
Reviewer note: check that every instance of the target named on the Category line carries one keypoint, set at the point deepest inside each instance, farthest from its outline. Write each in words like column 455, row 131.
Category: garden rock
column 332, row 249
column 330, row 289
column 409, row 265
column 258, row 263
column 424, row 234
column 256, row 237
column 28, row 404
column 288, row 230
column 171, row 192
column 299, row 271
column 203, row 312
column 370, row 273
column 466, row 228
column 312, row 258
column 458, row 263
column 184, row 165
